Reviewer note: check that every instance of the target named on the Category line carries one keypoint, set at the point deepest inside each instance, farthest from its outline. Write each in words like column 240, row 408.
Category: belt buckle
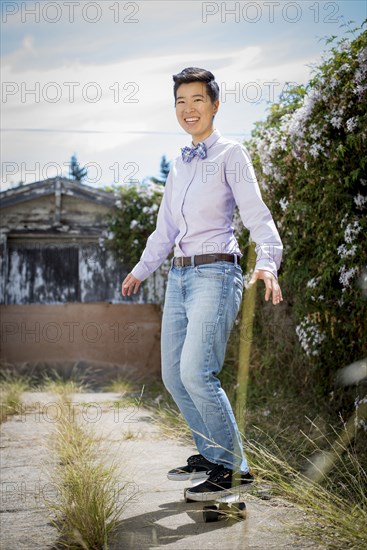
column 179, row 261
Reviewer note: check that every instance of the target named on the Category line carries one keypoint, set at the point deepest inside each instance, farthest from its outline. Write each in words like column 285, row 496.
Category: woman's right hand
column 130, row 283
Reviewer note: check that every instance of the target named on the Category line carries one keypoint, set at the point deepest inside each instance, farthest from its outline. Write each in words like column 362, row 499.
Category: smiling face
column 195, row 110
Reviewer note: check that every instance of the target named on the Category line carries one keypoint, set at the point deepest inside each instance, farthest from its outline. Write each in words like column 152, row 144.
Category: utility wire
column 148, row 132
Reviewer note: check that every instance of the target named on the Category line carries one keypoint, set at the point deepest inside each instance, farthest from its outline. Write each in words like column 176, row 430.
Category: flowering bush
column 310, row 156
column 133, row 220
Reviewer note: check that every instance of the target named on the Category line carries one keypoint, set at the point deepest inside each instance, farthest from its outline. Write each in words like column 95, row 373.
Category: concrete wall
column 124, row 335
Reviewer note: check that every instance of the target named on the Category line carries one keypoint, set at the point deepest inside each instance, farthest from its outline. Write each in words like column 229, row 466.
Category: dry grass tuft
column 90, row 497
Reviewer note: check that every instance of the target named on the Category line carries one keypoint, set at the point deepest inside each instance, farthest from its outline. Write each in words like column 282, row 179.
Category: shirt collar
column 214, row 136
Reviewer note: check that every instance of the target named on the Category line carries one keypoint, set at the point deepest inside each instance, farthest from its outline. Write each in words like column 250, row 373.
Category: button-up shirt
column 196, row 212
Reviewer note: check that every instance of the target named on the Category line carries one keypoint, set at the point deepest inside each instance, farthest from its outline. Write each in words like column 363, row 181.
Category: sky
column 95, row 78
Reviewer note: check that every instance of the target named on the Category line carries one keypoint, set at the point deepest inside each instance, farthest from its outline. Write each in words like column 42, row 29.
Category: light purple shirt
column 196, row 212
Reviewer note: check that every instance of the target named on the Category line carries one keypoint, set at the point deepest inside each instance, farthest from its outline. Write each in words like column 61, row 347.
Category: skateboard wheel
column 240, row 507
column 210, row 513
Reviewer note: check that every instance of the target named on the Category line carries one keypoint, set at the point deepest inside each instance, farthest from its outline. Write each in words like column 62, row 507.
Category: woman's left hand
column 271, row 285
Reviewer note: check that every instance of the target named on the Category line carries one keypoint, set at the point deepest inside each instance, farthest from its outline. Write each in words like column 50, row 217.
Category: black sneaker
column 219, row 484
column 197, row 468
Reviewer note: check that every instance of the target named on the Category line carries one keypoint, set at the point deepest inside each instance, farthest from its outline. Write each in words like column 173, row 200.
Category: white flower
column 284, row 123
column 133, row 224
column 283, row 142
column 360, row 90
column 336, row 121
column 345, row 45
column 297, row 122
column 360, row 200
column 362, row 56
column 283, row 203
column 333, row 83
column 315, row 149
column 352, row 123
column 315, row 131
column 345, row 252
column 361, row 74
column 360, row 422
column 347, row 275
column 351, row 231
column 345, row 67
column 309, row 336
column 312, row 283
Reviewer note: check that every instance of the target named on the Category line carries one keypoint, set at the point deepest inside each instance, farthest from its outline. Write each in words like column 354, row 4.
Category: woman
column 205, row 282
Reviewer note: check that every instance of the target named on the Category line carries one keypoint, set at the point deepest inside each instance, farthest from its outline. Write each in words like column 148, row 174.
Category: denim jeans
column 201, row 305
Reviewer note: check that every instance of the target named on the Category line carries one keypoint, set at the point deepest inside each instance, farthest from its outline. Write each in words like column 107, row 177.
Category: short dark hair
column 194, row 74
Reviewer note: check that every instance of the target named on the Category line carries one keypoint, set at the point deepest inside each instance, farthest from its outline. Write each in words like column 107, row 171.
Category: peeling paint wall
column 26, row 215
column 56, row 274
column 44, row 274
column 51, row 251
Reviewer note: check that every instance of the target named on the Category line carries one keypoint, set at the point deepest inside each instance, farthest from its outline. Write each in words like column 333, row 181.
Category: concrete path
column 156, row 515
column 25, row 459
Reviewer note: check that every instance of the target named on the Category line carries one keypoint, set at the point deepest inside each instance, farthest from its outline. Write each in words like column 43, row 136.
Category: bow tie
column 188, row 153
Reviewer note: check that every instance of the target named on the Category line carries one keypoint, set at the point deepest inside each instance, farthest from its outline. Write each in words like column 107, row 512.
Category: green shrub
column 133, row 219
column 310, row 158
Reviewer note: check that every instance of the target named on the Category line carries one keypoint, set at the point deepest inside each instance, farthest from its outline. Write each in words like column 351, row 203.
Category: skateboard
column 227, row 506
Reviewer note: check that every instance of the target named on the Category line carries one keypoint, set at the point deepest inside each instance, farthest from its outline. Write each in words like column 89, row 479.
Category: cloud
column 129, row 67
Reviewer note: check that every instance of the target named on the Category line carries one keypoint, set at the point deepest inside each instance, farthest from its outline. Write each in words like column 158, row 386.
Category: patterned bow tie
column 188, row 153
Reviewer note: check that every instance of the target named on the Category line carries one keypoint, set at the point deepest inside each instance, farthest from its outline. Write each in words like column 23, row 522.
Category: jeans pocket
column 210, row 271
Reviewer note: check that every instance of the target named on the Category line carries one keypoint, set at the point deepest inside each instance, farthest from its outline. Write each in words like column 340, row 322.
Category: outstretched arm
column 272, row 287
column 158, row 245
column 129, row 284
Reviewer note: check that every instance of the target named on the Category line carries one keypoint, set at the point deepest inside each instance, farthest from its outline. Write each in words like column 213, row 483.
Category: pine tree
column 165, row 168
column 75, row 171
column 164, row 171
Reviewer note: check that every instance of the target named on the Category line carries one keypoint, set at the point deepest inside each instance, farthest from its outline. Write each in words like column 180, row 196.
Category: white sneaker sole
column 225, row 495
column 187, row 477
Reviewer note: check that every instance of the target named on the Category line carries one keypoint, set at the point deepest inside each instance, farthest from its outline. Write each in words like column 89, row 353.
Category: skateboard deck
column 221, row 507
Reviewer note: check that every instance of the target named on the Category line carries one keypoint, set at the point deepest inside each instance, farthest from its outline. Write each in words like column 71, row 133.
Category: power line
column 148, row 132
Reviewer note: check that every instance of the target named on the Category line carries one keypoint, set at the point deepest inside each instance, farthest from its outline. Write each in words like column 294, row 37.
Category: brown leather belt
column 185, row 261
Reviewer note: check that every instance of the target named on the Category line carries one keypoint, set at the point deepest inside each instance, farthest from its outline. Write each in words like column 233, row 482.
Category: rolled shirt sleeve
column 160, row 242
column 255, row 215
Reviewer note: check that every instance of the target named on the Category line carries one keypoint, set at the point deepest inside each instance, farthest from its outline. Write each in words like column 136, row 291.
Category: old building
column 53, row 254
column 52, row 248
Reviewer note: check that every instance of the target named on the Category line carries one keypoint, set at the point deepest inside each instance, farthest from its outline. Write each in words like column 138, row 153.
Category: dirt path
column 156, row 517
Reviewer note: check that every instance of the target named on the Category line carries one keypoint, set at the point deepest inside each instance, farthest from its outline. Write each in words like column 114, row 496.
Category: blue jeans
column 201, row 305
